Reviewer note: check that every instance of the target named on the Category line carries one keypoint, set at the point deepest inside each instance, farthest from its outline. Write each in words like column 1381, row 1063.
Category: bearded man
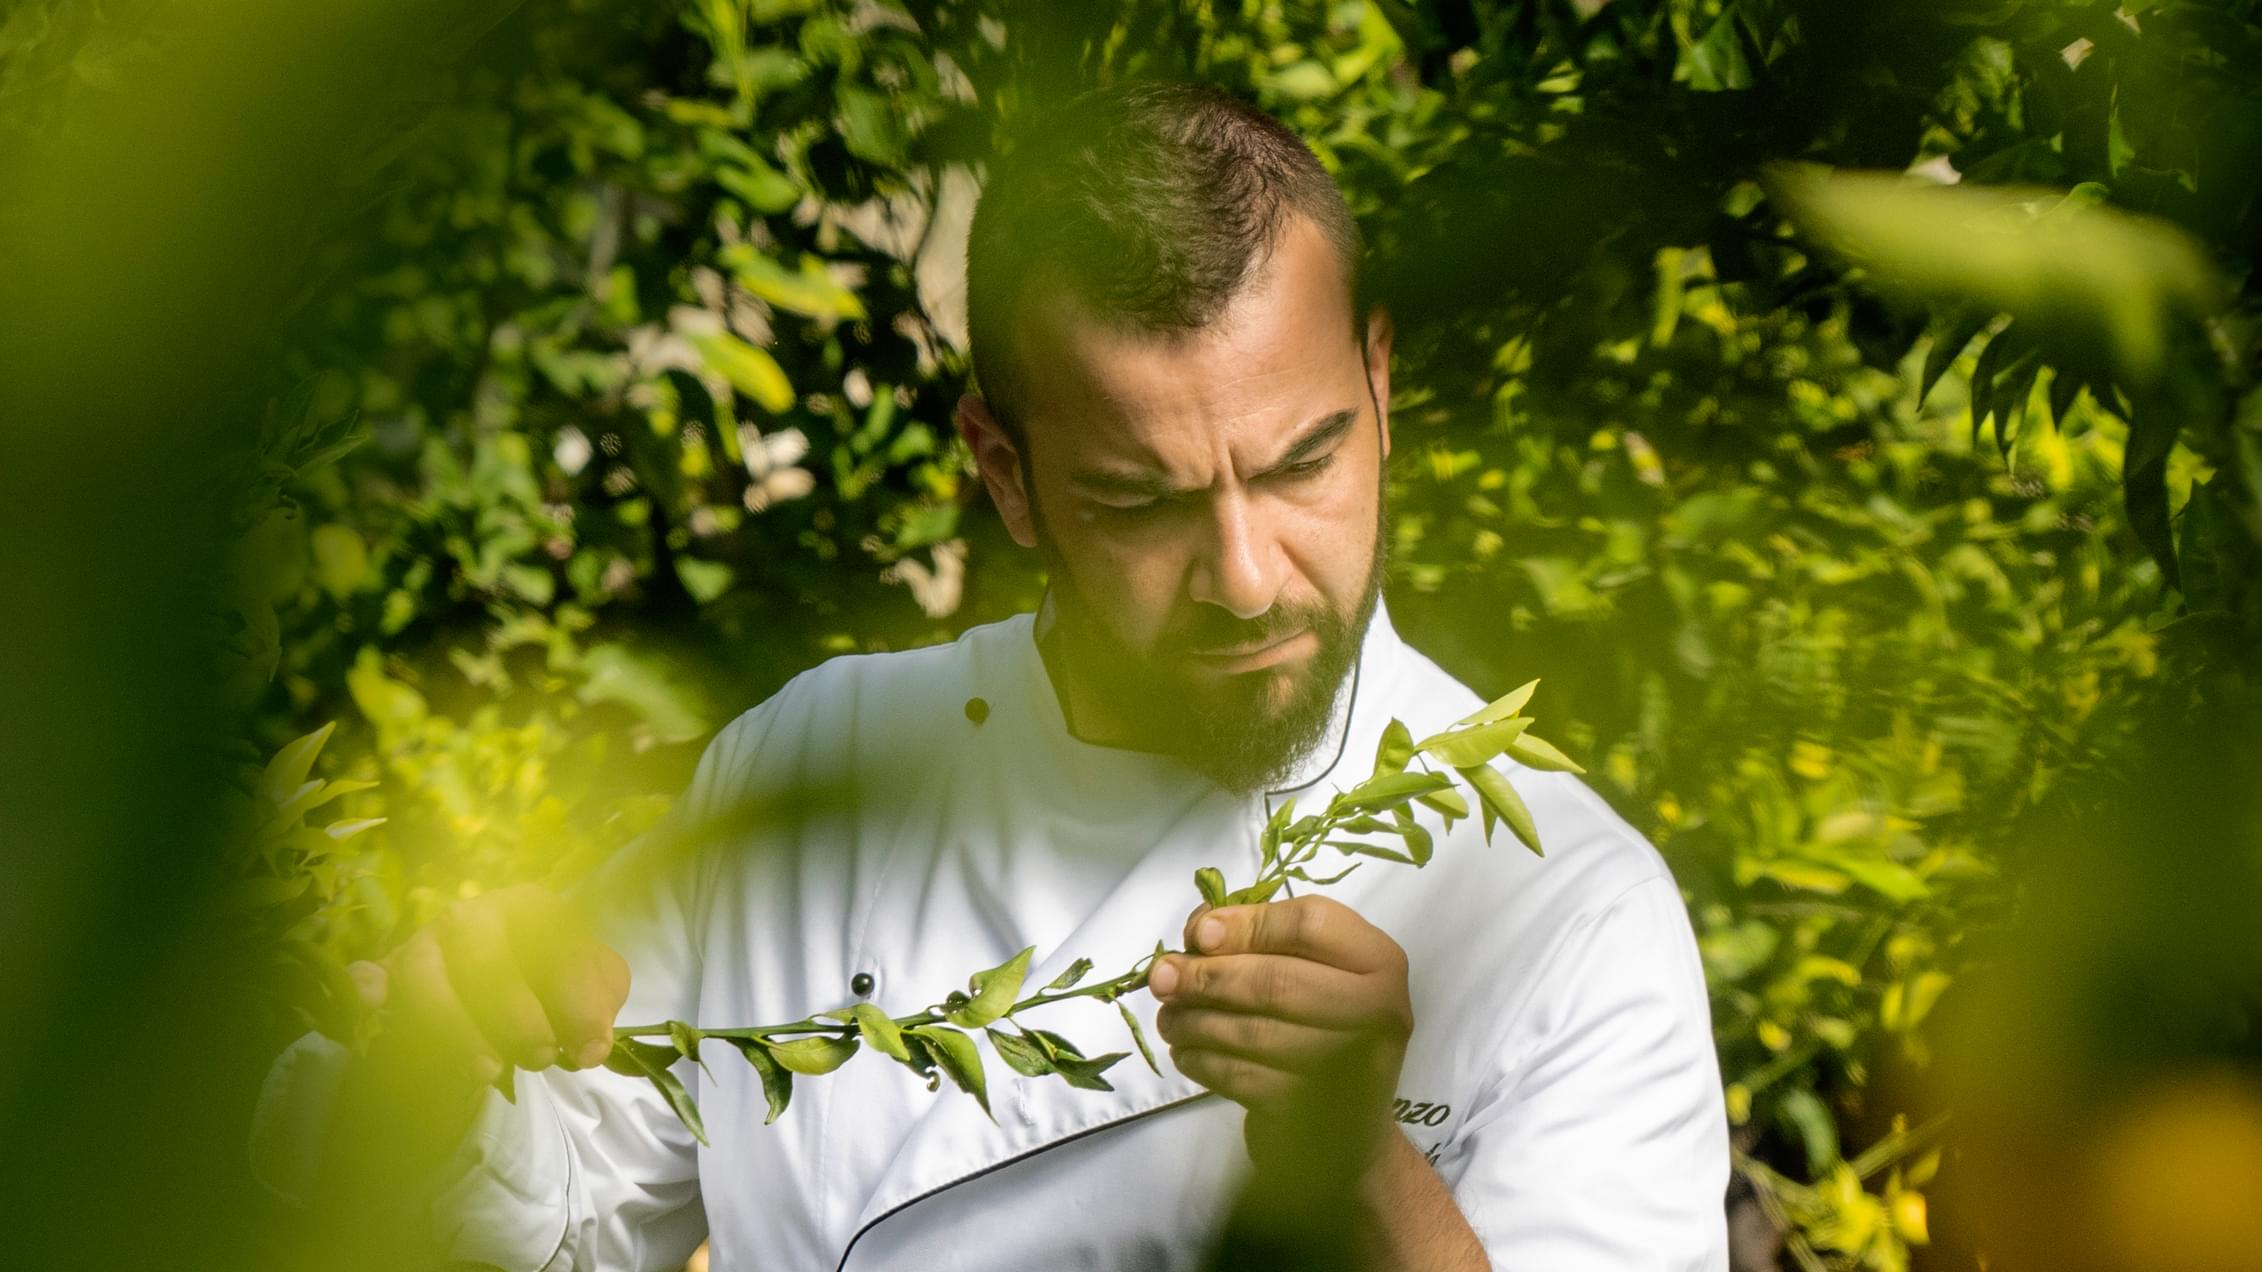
column 1498, row 1061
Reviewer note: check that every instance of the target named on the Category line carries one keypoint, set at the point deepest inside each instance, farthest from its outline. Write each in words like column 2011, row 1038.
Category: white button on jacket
column 1561, row 1074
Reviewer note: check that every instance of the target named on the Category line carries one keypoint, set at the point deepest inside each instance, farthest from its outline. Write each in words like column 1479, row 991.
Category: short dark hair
column 1152, row 203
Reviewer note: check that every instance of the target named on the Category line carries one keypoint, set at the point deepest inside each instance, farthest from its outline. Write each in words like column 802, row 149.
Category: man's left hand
column 1299, row 1012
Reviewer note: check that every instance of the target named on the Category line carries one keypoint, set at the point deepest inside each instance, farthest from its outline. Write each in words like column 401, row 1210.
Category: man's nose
column 1242, row 568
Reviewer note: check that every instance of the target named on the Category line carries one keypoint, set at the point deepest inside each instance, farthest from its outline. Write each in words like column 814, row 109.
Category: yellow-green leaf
column 1501, row 707
column 1538, row 753
column 286, row 773
column 879, row 1030
column 1477, row 744
column 814, row 1055
column 749, row 370
column 1501, row 801
column 994, row 991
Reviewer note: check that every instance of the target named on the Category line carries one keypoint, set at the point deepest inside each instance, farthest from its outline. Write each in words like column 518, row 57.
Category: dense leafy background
column 1851, row 525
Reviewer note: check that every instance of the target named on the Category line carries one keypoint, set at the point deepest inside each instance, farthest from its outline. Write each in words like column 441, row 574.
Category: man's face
column 1210, row 506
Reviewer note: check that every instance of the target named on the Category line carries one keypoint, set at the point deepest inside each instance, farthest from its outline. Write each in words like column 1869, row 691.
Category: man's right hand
column 508, row 978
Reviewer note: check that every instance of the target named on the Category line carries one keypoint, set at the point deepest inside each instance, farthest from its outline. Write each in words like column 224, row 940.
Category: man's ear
column 1000, row 465
column 1379, row 335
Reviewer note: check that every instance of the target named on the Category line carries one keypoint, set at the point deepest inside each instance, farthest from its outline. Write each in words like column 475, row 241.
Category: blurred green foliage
column 1852, row 516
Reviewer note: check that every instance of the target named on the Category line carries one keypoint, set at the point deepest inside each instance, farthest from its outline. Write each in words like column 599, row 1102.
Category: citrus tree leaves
column 956, row 1055
column 994, row 992
column 643, row 1060
column 777, row 1081
column 1502, row 804
column 1075, row 973
column 814, row 1056
column 940, row 1042
column 881, row 1032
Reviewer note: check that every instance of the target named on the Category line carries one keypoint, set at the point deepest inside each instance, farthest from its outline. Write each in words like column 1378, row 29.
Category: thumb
column 1186, row 934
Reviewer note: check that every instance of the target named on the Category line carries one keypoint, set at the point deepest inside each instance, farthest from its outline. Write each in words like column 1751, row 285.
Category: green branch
column 1441, row 773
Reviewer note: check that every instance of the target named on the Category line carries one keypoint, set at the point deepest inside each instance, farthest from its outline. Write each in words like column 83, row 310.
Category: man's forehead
column 1281, row 354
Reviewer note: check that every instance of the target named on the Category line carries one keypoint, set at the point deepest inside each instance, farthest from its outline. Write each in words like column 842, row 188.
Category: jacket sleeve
column 1604, row 1147
column 586, row 1170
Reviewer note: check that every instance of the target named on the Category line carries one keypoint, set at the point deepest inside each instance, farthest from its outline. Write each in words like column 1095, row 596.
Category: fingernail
column 1163, row 978
column 594, row 1054
column 1210, row 932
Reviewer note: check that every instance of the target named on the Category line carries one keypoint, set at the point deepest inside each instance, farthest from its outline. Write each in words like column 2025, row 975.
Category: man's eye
column 1143, row 508
column 1309, row 467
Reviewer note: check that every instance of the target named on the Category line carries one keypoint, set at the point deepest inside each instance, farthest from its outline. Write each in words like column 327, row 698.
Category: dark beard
column 1233, row 733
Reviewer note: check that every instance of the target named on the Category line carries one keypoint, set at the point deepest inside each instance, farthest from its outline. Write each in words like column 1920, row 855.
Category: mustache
column 1208, row 628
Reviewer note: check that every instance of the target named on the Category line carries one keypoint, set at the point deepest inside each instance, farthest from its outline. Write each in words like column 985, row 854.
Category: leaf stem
column 1106, row 991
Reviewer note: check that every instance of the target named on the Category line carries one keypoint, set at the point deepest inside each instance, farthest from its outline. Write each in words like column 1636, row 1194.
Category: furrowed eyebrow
column 1323, row 433
column 1316, row 440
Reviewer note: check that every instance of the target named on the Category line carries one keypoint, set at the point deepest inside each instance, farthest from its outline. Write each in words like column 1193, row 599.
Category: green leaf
column 286, row 773
column 810, row 290
column 1541, row 754
column 750, row 370
column 1139, row 1036
column 686, row 1040
column 309, row 796
column 1255, row 893
column 1268, row 843
column 1212, row 885
column 642, row 1060
column 1951, row 335
column 1055, row 1047
column 1448, row 802
column 1716, row 63
column 994, row 991
column 1370, row 850
column 1478, row 744
column 1382, row 794
column 1500, row 708
column 1396, row 750
column 1816, row 1129
column 1888, row 878
column 1075, row 973
column 1337, row 877
column 1502, row 801
column 814, row 1055
column 1085, row 1074
column 958, row 1057
column 1020, row 1054
column 880, row 1031
column 1418, row 842
column 777, row 1083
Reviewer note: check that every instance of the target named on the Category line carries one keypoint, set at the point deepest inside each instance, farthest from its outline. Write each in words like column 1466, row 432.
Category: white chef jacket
column 1561, row 1073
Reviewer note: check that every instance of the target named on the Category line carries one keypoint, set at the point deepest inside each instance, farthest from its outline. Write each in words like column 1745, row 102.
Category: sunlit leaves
column 2063, row 259
column 1074, row 973
column 1139, row 1037
column 776, row 1079
column 879, row 1031
column 1501, row 803
column 1475, row 745
column 994, row 991
column 749, row 370
column 955, row 1054
column 643, row 1060
column 813, row 1056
